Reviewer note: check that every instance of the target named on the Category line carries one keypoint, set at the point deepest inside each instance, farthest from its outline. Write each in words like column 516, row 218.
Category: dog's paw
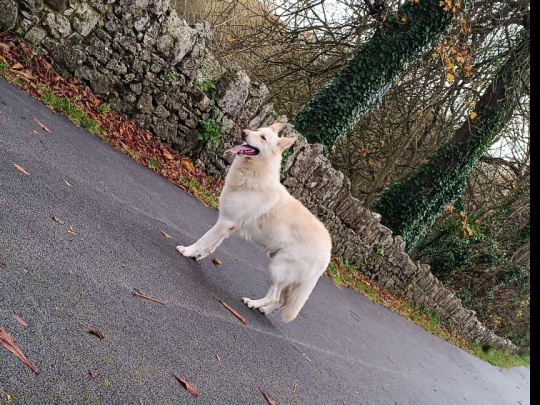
column 248, row 302
column 192, row 251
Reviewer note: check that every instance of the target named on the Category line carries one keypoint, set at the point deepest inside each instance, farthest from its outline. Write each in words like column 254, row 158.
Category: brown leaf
column 20, row 320
column 3, row 264
column 9, row 344
column 58, row 220
column 43, row 127
column 268, row 399
column 93, row 373
column 20, row 168
column 164, row 233
column 190, row 388
column 17, row 66
column 216, row 261
column 71, row 231
column 26, row 75
column 167, row 154
column 4, row 47
column 231, row 310
column 95, row 332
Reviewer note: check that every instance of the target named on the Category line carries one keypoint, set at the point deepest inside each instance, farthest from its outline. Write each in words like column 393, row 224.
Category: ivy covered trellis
column 360, row 86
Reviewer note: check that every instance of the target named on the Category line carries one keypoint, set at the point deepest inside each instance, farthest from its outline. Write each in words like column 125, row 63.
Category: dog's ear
column 286, row 143
column 276, row 127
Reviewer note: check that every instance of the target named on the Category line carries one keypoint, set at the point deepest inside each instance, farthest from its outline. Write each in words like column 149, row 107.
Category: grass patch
column 70, row 109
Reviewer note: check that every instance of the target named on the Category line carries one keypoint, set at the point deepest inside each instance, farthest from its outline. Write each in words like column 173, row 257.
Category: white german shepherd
column 255, row 205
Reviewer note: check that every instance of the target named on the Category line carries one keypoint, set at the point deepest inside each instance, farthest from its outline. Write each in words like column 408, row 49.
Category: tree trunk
column 409, row 208
column 360, row 86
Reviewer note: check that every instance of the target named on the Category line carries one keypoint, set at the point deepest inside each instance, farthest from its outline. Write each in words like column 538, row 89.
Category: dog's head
column 263, row 142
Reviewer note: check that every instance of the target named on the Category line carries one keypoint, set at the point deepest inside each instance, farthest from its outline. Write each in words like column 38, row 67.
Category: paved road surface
column 342, row 349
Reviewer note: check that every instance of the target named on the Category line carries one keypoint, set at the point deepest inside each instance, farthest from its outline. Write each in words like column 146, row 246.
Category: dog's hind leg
column 268, row 309
column 209, row 241
column 272, row 298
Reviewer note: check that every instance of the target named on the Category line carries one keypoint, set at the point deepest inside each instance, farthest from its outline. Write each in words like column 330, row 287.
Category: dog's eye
column 263, row 138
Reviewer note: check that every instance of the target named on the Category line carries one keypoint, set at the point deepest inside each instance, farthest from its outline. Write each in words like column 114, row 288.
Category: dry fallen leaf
column 65, row 181
column 231, row 310
column 3, row 264
column 20, row 168
column 167, row 154
column 71, row 231
column 9, row 344
column 20, row 320
column 43, row 127
column 268, row 399
column 58, row 220
column 190, row 388
column 164, row 233
column 216, row 261
column 95, row 332
column 17, row 66
column 93, row 373
column 218, row 358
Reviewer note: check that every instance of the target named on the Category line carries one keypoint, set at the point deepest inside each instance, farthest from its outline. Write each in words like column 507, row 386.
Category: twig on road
column 146, row 297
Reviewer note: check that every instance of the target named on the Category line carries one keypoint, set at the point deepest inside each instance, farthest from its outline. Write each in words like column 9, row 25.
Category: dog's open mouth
column 244, row 150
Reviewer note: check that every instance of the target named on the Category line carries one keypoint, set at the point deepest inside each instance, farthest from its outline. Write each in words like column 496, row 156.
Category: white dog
column 255, row 205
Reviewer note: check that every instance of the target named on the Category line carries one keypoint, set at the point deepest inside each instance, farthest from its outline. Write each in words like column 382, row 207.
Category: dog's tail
column 295, row 297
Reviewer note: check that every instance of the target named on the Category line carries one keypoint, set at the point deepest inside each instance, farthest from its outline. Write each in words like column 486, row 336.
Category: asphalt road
column 342, row 349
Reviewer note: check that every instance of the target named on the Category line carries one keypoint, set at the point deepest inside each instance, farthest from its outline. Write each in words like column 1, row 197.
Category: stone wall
column 152, row 67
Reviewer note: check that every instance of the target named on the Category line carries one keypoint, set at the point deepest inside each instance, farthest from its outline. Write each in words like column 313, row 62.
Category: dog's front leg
column 209, row 241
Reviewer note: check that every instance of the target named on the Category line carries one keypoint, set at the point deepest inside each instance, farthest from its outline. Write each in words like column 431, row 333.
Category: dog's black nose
column 245, row 133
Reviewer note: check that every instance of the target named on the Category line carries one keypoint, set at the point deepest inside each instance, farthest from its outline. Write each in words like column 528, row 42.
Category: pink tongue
column 240, row 148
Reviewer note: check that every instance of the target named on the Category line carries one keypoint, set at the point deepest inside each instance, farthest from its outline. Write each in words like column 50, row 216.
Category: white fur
column 255, row 205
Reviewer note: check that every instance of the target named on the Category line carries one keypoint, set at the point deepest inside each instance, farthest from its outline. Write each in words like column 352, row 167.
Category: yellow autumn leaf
column 188, row 165
column 450, row 77
column 473, row 115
